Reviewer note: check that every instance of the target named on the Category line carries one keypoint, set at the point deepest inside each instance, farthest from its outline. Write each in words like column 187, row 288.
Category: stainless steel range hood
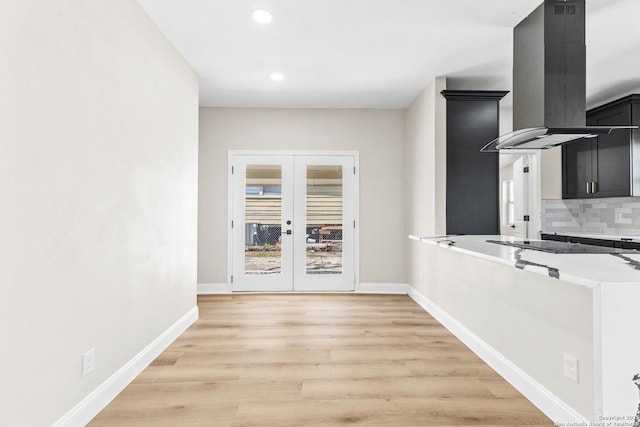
column 549, row 84
column 542, row 138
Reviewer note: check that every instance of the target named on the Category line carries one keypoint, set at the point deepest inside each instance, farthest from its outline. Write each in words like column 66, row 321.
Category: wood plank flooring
column 317, row 360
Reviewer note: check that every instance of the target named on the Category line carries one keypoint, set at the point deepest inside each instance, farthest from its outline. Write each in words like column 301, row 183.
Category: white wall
column 98, row 185
column 425, row 161
column 425, row 170
column 376, row 134
column 551, row 173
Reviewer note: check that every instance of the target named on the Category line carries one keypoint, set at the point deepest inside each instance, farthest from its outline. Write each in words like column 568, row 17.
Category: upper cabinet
column 472, row 176
column 604, row 166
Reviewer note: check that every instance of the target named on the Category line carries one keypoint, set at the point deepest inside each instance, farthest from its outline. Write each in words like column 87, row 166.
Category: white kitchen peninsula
column 523, row 310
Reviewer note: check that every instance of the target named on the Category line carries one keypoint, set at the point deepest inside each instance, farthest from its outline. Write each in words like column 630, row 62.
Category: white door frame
column 533, row 202
column 356, row 160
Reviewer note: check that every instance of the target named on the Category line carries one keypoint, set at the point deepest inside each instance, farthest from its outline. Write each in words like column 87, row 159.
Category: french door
column 293, row 222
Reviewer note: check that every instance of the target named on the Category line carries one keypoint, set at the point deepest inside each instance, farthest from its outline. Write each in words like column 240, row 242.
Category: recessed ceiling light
column 262, row 16
column 278, row 77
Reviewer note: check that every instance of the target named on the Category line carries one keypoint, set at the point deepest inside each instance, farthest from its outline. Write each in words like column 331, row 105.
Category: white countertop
column 590, row 270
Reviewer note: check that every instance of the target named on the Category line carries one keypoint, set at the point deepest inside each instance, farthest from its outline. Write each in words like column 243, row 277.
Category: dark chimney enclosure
column 549, row 64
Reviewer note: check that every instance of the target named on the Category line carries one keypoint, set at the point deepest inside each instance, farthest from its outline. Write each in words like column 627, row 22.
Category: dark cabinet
column 612, row 166
column 604, row 166
column 577, row 169
column 472, row 176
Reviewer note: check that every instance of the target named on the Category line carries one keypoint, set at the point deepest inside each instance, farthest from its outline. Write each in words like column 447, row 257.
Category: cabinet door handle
column 588, row 187
column 594, row 188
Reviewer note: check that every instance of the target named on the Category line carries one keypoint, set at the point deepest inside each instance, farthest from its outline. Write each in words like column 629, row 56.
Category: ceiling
column 376, row 53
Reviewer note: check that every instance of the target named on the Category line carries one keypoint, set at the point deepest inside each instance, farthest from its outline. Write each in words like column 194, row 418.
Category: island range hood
column 549, row 84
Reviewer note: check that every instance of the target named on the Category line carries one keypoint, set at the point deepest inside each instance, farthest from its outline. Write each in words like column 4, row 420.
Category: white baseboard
column 382, row 288
column 362, row 288
column 547, row 402
column 95, row 402
column 214, row 288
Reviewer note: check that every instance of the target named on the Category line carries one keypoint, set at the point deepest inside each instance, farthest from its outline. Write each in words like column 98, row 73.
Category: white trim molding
column 96, row 401
column 214, row 288
column 382, row 288
column 547, row 402
column 360, row 288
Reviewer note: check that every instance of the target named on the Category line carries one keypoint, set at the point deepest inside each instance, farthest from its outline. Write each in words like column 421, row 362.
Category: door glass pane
column 324, row 219
column 263, row 219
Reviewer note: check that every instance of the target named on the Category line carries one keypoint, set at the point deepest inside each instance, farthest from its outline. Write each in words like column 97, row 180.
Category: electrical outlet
column 88, row 362
column 571, row 367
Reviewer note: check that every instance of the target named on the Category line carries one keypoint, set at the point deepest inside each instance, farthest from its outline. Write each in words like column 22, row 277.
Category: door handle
column 288, row 231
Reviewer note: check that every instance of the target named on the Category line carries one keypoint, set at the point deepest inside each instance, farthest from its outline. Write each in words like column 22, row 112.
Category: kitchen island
column 529, row 313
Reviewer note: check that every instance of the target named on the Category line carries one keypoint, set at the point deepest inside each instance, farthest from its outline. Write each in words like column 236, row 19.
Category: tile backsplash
column 618, row 216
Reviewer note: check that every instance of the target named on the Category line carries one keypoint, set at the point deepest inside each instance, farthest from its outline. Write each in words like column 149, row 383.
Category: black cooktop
column 554, row 247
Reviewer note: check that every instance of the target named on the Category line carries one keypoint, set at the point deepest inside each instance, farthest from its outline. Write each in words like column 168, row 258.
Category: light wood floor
column 317, row 360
